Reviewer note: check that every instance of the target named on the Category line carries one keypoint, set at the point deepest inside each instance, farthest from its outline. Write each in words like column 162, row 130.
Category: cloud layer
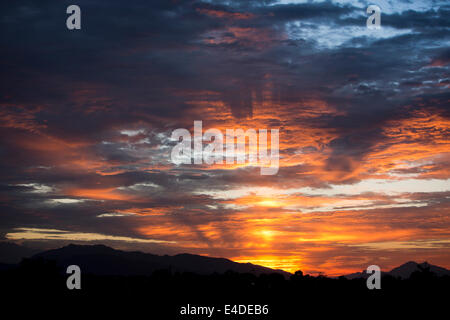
column 86, row 118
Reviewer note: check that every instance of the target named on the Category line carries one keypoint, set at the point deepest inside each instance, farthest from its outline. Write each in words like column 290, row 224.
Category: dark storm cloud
column 139, row 60
column 158, row 48
column 325, row 11
column 431, row 19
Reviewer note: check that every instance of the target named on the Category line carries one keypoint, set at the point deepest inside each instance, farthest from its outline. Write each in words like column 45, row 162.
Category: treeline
column 163, row 292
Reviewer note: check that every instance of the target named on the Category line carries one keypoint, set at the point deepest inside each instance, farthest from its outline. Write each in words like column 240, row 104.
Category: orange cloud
column 224, row 14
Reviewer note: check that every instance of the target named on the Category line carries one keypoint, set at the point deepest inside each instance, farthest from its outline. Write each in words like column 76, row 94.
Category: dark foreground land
column 39, row 286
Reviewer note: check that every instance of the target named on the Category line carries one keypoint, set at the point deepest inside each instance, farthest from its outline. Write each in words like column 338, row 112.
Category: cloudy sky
column 86, row 118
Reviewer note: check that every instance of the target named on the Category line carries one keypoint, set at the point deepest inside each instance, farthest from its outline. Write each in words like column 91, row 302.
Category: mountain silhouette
column 103, row 260
column 136, row 282
column 11, row 253
column 405, row 271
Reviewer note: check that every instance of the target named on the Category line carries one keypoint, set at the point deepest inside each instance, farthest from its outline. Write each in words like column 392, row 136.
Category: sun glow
column 269, row 203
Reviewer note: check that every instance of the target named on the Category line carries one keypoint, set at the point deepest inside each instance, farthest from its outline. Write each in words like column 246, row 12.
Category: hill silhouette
column 405, row 271
column 131, row 284
column 11, row 253
column 103, row 260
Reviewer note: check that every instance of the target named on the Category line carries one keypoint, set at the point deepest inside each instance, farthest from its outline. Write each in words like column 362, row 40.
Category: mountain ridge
column 405, row 270
column 104, row 260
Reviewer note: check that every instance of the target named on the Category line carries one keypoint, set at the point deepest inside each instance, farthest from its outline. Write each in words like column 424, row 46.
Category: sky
column 86, row 118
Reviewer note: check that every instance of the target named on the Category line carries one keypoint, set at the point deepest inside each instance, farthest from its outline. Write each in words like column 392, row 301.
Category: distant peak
column 73, row 245
column 86, row 248
column 101, row 259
